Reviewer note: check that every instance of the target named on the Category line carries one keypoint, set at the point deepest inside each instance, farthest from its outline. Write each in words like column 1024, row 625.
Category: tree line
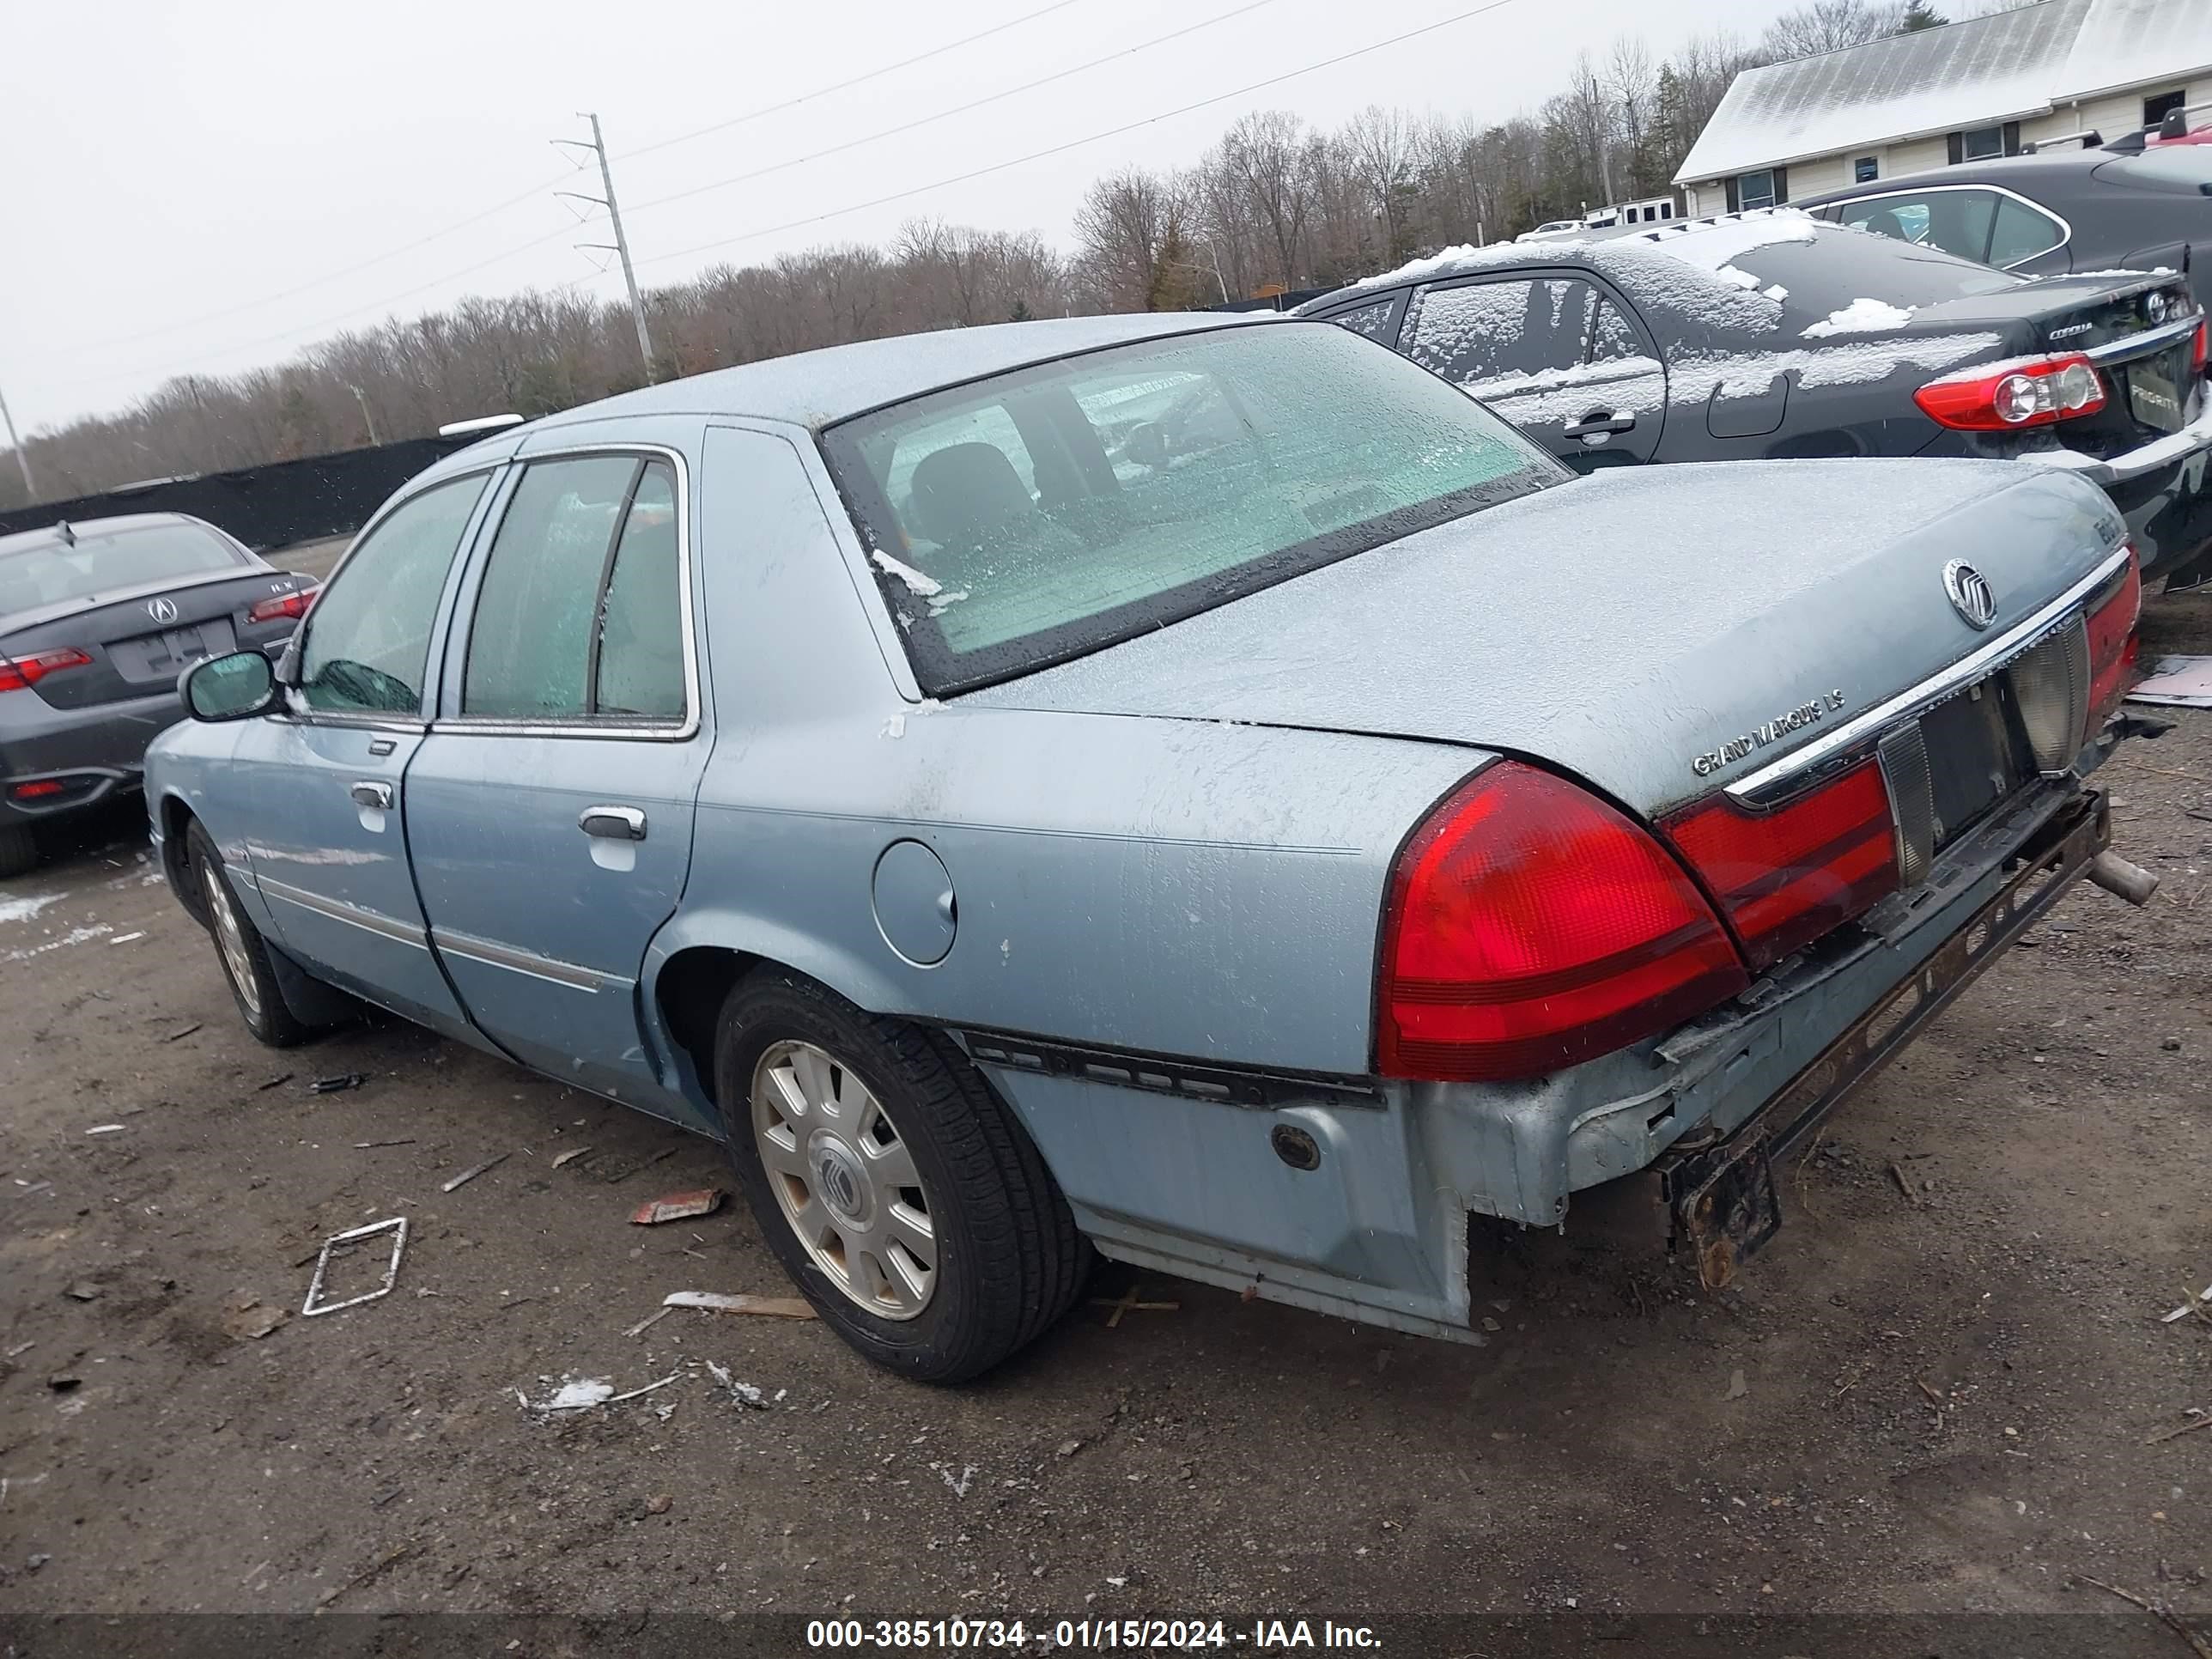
column 1276, row 204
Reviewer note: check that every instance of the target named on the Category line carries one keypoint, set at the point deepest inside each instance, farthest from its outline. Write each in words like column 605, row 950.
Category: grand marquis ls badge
column 1789, row 721
column 1971, row 596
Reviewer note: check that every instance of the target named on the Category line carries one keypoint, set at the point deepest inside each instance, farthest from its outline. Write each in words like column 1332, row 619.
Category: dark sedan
column 97, row 620
column 1771, row 334
column 2042, row 215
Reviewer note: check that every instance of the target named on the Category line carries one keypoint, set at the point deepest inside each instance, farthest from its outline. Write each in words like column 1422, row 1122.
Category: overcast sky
column 174, row 173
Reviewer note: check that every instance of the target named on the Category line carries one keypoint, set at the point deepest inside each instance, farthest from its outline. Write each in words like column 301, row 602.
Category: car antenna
column 62, row 529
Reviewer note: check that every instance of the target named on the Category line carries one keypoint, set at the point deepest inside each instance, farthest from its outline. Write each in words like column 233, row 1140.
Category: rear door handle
column 612, row 823
column 375, row 796
column 1602, row 422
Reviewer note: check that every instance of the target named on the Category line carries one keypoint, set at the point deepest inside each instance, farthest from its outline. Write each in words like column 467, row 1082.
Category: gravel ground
column 1922, row 1400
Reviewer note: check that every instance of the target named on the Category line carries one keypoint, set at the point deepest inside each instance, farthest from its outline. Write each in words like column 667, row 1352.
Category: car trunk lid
column 1657, row 633
column 138, row 639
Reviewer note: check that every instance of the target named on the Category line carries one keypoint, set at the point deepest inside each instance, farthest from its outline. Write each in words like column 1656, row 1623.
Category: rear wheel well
column 691, row 990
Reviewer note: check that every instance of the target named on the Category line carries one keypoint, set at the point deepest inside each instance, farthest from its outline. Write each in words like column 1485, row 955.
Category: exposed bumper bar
column 2135, row 462
column 1720, row 1191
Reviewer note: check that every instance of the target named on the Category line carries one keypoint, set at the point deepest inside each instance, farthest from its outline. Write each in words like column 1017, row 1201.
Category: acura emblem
column 1970, row 592
column 162, row 610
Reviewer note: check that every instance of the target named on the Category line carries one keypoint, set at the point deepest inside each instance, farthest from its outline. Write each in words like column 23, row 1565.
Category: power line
column 1076, row 144
column 333, row 277
column 941, row 115
column 841, row 86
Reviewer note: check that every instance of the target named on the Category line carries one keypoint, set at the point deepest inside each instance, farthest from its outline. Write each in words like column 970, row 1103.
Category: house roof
column 1970, row 74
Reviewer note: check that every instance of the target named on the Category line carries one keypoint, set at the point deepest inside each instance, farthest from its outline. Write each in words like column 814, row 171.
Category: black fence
column 264, row 507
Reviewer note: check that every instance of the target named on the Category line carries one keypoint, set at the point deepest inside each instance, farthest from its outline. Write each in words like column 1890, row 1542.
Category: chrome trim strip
column 639, row 730
column 493, row 954
column 1761, row 786
column 353, row 915
column 2165, row 334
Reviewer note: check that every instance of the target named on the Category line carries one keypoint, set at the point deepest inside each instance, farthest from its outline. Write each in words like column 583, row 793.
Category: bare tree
column 1830, row 25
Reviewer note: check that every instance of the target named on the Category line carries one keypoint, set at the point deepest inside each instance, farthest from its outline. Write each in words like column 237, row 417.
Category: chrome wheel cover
column 845, row 1180
column 230, row 938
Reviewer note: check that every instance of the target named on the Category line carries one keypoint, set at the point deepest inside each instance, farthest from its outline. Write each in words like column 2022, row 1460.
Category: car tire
column 844, row 1104
column 19, row 850
column 239, row 949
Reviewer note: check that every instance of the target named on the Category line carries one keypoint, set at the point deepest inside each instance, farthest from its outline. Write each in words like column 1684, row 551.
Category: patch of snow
column 1748, row 374
column 944, row 602
column 1740, row 278
column 74, row 936
column 1777, row 293
column 893, row 727
column 1861, row 316
column 22, row 909
column 1712, row 247
column 575, row 1395
column 917, row 583
column 1631, row 385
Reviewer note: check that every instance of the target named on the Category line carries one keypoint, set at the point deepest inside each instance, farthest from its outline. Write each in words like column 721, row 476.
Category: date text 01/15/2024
column 1262, row 1635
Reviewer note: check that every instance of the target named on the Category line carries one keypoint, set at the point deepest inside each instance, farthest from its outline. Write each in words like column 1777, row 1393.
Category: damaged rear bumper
column 1720, row 1191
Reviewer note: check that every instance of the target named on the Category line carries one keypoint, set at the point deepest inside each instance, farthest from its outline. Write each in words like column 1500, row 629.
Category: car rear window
column 1036, row 515
column 55, row 573
column 1826, row 275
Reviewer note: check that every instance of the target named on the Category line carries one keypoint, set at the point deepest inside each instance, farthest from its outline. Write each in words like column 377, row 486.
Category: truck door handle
column 377, row 797
column 1602, row 422
column 612, row 823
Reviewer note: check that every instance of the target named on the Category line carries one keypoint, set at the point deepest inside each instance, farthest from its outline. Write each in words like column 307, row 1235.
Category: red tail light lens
column 1532, row 927
column 2030, row 391
column 1786, row 878
column 37, row 789
column 2198, row 351
column 293, row 605
column 2113, row 641
column 16, row 674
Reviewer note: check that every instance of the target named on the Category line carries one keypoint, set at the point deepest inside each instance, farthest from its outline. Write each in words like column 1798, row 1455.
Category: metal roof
column 815, row 388
column 2003, row 67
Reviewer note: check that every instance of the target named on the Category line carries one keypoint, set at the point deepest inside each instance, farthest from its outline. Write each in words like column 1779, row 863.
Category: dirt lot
column 1922, row 1402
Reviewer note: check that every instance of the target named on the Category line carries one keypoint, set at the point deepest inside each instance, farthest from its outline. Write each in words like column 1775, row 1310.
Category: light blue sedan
column 1202, row 790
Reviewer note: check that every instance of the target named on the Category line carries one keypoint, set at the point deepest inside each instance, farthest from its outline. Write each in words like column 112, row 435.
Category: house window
column 1754, row 190
column 1666, row 209
column 2157, row 108
column 1981, row 142
column 1865, row 170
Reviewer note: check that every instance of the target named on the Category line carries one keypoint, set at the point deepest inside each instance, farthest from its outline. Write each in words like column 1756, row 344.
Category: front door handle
column 1601, row 424
column 612, row 823
column 377, row 797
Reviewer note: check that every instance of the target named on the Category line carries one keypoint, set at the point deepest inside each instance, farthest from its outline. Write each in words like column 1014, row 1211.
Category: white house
column 1960, row 92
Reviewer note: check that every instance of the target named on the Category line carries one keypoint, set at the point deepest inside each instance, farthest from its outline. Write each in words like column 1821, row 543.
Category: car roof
column 2019, row 173
column 24, row 541
column 818, row 388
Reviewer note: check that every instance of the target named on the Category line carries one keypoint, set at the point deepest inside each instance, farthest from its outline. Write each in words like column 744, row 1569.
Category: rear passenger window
column 1481, row 332
column 578, row 616
column 2021, row 233
column 1612, row 338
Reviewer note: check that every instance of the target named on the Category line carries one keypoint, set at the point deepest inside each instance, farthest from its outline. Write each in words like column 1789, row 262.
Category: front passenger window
column 367, row 643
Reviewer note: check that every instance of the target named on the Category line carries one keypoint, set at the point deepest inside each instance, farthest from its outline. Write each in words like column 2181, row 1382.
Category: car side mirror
column 233, row 688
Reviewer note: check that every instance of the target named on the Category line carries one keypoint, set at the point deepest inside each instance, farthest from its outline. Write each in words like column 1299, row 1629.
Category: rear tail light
column 18, row 673
column 2033, row 391
column 293, row 605
column 1786, row 877
column 1532, row 927
column 37, row 789
column 2197, row 349
column 2113, row 642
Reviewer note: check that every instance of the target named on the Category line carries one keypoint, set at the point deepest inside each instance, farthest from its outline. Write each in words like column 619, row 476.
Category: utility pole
column 23, row 461
column 368, row 419
column 620, row 246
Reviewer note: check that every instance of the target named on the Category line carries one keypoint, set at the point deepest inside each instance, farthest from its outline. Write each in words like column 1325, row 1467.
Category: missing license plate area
column 1974, row 758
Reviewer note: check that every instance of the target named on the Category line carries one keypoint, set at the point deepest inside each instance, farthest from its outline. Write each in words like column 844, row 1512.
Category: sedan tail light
column 1531, row 926
column 1786, row 877
column 2113, row 641
column 293, row 605
column 2198, row 346
column 18, row 673
column 2030, row 391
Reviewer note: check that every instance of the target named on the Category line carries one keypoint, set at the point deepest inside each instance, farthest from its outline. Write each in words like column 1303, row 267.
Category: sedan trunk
column 1669, row 630
column 138, row 641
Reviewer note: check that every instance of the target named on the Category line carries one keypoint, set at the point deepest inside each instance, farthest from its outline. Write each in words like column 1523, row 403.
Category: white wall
column 2120, row 112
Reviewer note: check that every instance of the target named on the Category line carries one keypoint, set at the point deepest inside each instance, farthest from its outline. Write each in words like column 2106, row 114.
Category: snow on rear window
column 1711, row 248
